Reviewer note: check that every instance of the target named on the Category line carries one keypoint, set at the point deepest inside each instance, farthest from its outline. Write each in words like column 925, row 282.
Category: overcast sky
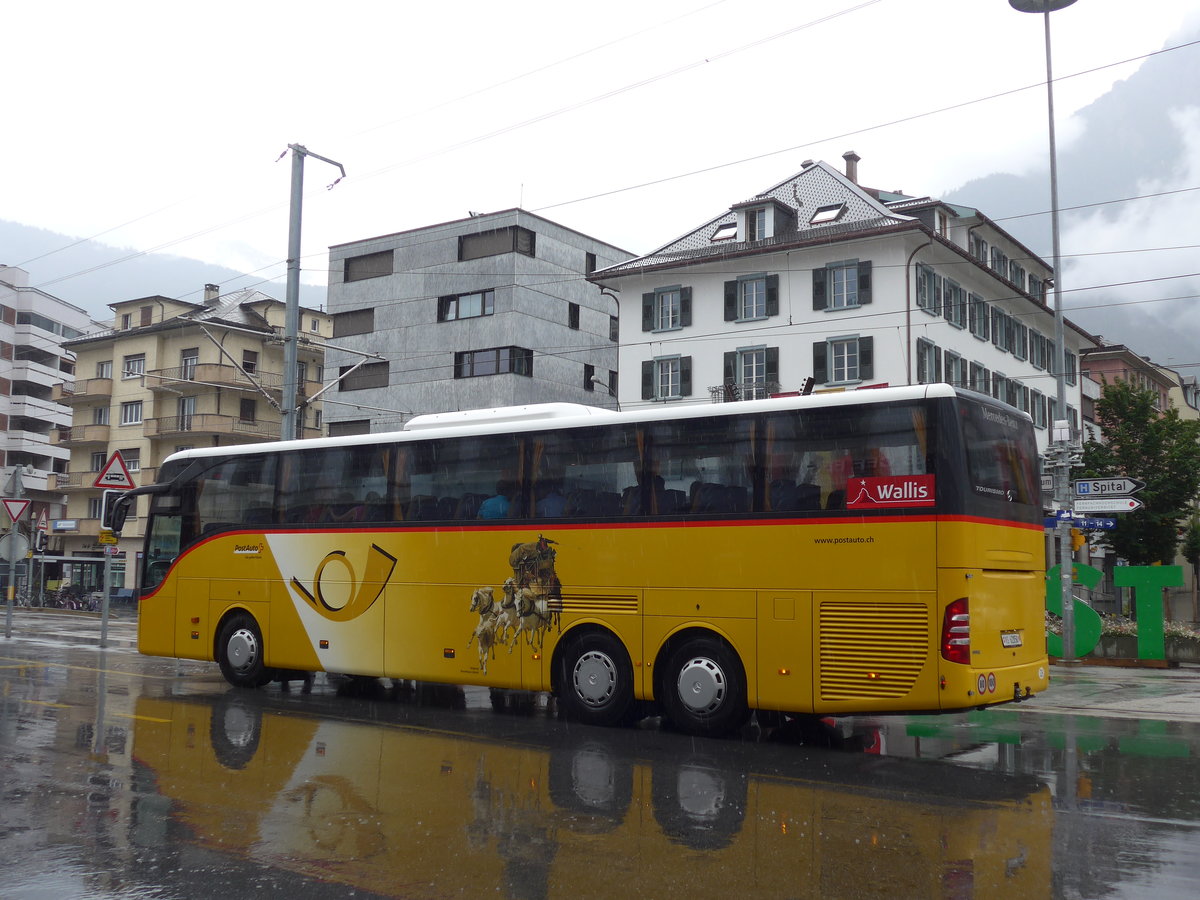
column 149, row 127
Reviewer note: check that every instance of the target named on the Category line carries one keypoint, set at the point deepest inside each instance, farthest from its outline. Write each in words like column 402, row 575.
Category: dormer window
column 823, row 215
column 756, row 224
column 726, row 232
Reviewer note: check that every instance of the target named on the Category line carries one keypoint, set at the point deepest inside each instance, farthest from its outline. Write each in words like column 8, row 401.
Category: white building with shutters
column 854, row 287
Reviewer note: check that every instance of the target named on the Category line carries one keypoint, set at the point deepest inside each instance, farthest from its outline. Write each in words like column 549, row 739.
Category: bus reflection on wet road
column 129, row 777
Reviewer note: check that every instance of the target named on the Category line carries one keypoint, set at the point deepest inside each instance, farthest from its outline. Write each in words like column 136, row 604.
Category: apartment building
column 819, row 277
column 33, row 327
column 170, row 375
column 491, row 310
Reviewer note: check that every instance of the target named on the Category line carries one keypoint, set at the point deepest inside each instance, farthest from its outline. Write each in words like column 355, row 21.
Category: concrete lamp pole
column 291, row 324
column 1060, row 447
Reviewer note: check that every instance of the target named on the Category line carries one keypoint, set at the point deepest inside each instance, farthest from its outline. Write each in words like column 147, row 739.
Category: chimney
column 211, row 293
column 851, row 159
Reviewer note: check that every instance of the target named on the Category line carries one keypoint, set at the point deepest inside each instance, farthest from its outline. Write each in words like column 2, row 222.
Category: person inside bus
column 551, row 501
column 497, row 506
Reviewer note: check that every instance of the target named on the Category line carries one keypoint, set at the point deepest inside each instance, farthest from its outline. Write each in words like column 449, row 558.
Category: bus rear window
column 1001, row 454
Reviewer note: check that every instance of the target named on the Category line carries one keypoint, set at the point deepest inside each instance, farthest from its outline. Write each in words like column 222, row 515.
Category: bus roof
column 539, row 416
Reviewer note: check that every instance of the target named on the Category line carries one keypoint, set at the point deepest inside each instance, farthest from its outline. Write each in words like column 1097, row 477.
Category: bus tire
column 704, row 689
column 595, row 679
column 240, row 652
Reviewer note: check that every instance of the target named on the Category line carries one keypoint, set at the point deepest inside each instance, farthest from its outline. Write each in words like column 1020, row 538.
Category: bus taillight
column 956, row 632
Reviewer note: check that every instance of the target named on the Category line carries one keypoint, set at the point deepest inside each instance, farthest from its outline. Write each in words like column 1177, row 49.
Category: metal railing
column 732, row 391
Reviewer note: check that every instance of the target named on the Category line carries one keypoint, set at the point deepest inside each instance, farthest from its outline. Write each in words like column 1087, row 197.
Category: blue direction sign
column 1084, row 523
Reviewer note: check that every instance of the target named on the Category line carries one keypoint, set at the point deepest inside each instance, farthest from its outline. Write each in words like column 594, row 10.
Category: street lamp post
column 1060, row 448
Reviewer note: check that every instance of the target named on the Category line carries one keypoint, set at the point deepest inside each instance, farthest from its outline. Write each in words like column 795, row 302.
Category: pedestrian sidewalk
column 1121, row 693
column 73, row 627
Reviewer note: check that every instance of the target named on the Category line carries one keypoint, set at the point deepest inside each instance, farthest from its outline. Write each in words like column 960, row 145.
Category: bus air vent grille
column 597, row 604
column 871, row 650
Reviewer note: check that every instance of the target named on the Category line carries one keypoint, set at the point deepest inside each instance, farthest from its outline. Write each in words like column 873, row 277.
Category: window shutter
column 820, row 371
column 820, row 301
column 937, row 364
column 648, row 380
column 731, row 298
column 731, row 367
column 773, row 364
column 648, row 311
column 864, row 282
column 685, row 306
column 866, row 358
column 685, row 376
column 772, row 295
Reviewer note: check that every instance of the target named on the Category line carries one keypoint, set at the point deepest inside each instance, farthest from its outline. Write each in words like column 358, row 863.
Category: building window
column 250, row 361
column 368, row 375
column 1071, row 368
column 980, row 378
column 589, row 372
column 369, row 265
column 466, row 306
column 589, row 263
column 354, row 321
column 126, row 321
column 95, row 507
column 1020, row 343
column 979, row 316
column 573, row 316
column 1016, row 274
column 247, row 410
column 842, row 285
column 100, row 415
column 954, row 301
column 513, row 239
column 314, row 325
column 999, row 385
column 667, row 308
column 131, row 413
column 98, row 461
column 725, row 232
column 823, row 215
column 349, row 427
column 756, row 224
column 929, row 290
column 133, row 459
column 1000, row 262
column 843, row 360
column 494, row 361
column 956, row 369
column 1037, row 408
column 979, row 248
column 146, row 315
column 929, row 362
column 188, row 360
column 751, row 373
column 667, row 378
column 1001, row 329
column 751, row 297
column 614, row 329
column 134, row 366
column 104, row 369
column 1036, row 288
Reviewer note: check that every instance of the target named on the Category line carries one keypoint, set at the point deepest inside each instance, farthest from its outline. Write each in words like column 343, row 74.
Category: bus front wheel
column 595, row 679
column 705, row 688
column 240, row 652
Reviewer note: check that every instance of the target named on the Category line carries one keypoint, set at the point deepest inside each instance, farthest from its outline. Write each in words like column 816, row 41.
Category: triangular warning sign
column 114, row 474
column 16, row 508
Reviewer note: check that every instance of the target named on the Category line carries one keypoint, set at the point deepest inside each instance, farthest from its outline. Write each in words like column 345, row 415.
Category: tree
column 1160, row 449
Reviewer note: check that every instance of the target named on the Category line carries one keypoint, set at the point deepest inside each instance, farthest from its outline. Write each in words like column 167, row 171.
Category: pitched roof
column 815, row 186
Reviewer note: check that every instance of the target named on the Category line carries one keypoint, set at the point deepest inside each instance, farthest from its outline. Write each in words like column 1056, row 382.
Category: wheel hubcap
column 595, row 678
column 242, row 649
column 702, row 685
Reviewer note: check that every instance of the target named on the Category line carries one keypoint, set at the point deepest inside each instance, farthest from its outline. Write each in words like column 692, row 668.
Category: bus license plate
column 1010, row 638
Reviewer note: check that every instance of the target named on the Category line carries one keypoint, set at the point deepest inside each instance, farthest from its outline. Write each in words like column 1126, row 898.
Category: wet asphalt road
column 126, row 776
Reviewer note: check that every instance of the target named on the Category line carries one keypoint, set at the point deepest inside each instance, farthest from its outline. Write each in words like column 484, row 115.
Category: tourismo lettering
column 889, row 491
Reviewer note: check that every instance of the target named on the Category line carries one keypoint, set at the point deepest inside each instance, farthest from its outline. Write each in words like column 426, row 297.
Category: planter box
column 1123, row 646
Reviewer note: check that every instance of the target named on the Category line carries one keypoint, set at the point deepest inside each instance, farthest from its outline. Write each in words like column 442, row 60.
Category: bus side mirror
column 114, row 511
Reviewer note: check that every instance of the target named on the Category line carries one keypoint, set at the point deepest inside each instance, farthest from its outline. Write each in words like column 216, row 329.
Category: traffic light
column 113, row 511
column 39, row 542
column 1077, row 539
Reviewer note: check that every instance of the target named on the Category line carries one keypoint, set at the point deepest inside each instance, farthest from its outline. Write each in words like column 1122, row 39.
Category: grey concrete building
column 491, row 310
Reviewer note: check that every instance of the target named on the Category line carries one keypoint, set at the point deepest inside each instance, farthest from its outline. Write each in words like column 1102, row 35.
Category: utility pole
column 291, row 328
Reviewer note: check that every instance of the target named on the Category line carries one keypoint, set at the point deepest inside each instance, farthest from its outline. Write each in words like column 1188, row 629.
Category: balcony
column 211, row 424
column 733, row 391
column 82, row 435
column 81, row 391
column 171, row 380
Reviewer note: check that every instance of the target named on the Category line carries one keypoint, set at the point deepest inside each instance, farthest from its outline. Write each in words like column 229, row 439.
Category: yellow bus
column 416, row 811
column 861, row 552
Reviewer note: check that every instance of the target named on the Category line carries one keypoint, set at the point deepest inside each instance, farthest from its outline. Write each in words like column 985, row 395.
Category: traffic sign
column 114, row 474
column 1108, row 504
column 1047, row 483
column 16, row 508
column 1084, row 523
column 106, row 537
column 1107, row 487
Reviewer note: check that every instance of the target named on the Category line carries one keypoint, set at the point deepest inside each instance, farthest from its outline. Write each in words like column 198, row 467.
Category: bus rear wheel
column 240, row 652
column 705, row 688
column 595, row 679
